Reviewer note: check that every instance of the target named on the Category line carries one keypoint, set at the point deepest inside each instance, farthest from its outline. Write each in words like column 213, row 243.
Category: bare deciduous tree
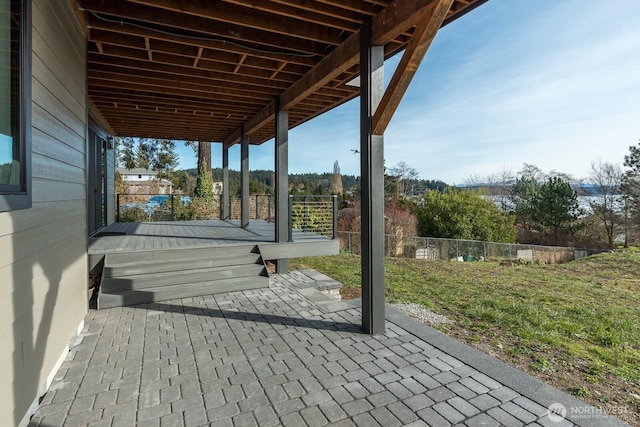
column 403, row 174
column 607, row 205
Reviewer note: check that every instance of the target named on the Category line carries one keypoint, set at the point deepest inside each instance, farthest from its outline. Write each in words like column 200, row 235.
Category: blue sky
column 551, row 83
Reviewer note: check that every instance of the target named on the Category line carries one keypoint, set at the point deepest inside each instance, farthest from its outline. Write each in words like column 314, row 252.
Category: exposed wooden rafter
column 428, row 25
column 203, row 70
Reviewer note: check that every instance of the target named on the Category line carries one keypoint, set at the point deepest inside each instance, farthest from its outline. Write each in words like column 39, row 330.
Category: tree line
column 529, row 206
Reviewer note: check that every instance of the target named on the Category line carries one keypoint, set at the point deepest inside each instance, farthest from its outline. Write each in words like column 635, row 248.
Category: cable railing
column 313, row 214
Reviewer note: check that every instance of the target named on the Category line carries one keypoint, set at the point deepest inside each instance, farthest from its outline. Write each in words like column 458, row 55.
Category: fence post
column 290, row 218
column 269, row 208
column 305, row 215
column 173, row 212
column 118, row 207
column 335, row 217
column 457, row 248
column 257, row 213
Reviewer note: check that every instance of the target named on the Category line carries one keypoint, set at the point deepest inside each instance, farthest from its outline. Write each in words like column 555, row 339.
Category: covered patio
column 245, row 72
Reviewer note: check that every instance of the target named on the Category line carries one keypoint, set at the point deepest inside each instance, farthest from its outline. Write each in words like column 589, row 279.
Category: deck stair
column 158, row 275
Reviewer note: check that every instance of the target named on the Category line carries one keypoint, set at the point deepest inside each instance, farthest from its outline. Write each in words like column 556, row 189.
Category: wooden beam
column 428, row 26
column 397, row 18
column 386, row 25
column 225, row 30
column 114, row 33
column 256, row 19
column 263, row 117
column 332, row 65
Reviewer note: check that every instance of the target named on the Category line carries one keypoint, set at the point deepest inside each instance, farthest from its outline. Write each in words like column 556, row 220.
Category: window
column 15, row 104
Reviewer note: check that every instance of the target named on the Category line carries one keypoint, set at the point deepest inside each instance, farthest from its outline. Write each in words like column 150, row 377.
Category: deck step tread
column 160, row 255
column 150, row 276
column 165, row 293
column 141, row 281
column 158, row 266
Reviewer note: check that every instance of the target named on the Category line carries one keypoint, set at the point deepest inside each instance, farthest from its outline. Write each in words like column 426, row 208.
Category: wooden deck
column 166, row 235
column 157, row 261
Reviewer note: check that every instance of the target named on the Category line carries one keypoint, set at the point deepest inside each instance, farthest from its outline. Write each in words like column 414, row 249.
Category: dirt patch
column 350, row 293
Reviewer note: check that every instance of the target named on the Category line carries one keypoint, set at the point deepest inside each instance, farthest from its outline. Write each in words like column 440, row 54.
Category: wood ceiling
column 207, row 69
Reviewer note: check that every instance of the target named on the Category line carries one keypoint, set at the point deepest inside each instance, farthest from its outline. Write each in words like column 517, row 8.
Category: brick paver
column 279, row 356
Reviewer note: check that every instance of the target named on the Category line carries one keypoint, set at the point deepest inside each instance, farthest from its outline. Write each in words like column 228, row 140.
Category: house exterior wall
column 43, row 250
column 111, row 186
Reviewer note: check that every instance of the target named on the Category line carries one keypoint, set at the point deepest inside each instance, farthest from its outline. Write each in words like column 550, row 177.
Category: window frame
column 12, row 199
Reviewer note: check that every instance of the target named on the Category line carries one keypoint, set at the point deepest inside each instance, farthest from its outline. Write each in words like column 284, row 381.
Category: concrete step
column 177, row 277
column 165, row 293
column 159, row 266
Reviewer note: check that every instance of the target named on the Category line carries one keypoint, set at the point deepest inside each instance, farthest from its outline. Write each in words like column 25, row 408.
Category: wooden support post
column 372, row 185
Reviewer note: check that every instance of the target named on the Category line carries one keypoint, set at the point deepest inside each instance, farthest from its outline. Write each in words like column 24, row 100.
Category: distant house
column 139, row 181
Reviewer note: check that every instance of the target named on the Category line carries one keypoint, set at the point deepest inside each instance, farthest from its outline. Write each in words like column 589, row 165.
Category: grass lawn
column 574, row 325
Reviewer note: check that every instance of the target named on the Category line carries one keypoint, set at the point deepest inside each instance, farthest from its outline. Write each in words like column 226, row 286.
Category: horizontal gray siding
column 43, row 261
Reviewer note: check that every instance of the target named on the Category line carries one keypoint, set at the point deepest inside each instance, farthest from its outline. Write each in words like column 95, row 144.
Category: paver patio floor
column 288, row 356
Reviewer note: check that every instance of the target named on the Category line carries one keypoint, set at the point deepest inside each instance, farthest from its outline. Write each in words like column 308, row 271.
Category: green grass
column 580, row 318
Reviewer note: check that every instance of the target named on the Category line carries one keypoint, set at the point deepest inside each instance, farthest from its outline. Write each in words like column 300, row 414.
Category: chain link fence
column 431, row 248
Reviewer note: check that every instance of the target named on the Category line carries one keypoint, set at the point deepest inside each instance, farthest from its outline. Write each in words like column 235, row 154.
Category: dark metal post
column 269, row 208
column 305, row 214
column 372, row 185
column 335, row 217
column 257, row 210
column 225, row 199
column 118, row 207
column 244, row 179
column 290, row 227
column 173, row 212
column 283, row 214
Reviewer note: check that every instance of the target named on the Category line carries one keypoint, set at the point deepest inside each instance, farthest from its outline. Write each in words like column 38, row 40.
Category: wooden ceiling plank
column 225, row 31
column 426, row 30
column 297, row 10
column 175, row 90
column 229, row 13
column 352, row 5
column 326, row 9
column 112, row 28
column 252, row 67
column 159, row 68
column 231, row 90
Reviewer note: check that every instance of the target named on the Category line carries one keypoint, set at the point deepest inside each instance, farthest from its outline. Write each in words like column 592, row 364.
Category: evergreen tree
column 126, row 152
column 555, row 209
column 631, row 180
